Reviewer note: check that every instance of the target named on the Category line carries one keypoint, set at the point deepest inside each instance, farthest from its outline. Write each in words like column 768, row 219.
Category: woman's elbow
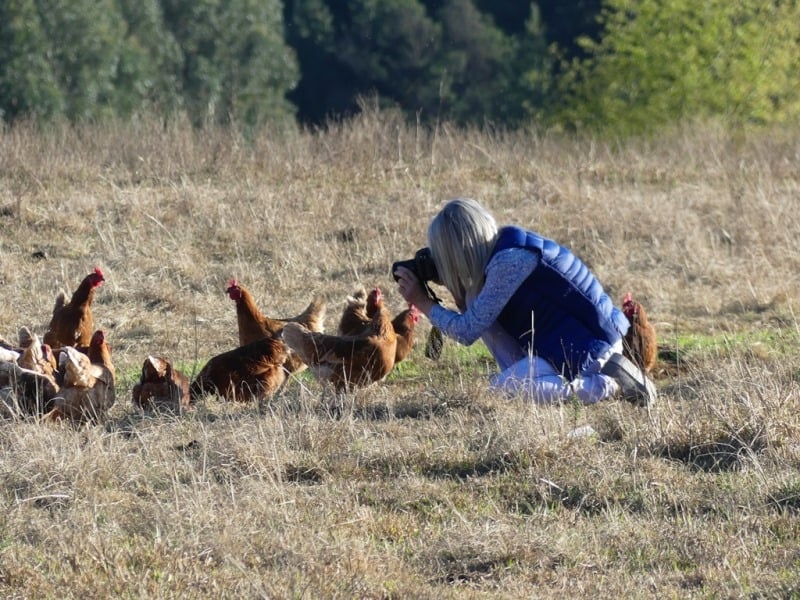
column 467, row 341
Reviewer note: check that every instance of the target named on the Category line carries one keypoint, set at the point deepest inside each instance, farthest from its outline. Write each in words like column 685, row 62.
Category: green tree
column 149, row 69
column 326, row 86
column 476, row 65
column 84, row 39
column 566, row 22
column 236, row 66
column 435, row 59
column 258, row 67
column 508, row 15
column 531, row 89
column 390, row 48
column 352, row 48
column 660, row 61
column 28, row 83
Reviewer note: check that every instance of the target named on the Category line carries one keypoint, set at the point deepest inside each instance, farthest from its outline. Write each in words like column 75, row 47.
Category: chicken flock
column 69, row 373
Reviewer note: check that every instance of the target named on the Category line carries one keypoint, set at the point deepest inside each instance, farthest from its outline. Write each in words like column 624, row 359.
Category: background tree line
column 618, row 65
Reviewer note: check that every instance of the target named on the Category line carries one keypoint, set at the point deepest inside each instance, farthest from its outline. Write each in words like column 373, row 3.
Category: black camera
column 421, row 265
column 424, row 268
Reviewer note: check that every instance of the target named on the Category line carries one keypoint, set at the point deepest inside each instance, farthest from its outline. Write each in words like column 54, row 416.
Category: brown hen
column 87, row 391
column 253, row 325
column 36, row 356
column 347, row 361
column 161, row 386
column 639, row 344
column 357, row 319
column 354, row 319
column 72, row 323
column 405, row 323
column 251, row 372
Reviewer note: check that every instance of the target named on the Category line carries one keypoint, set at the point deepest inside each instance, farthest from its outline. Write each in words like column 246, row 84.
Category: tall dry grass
column 427, row 485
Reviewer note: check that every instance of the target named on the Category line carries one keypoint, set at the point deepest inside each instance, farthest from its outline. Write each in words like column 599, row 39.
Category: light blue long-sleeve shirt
column 504, row 274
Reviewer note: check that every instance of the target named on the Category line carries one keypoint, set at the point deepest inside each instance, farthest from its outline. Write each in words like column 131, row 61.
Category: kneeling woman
column 541, row 312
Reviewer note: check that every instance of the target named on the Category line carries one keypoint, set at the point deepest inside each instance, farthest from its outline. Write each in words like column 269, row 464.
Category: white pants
column 535, row 379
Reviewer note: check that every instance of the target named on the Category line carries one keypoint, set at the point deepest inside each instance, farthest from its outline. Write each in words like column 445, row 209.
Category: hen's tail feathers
column 79, row 371
column 155, row 367
column 61, row 300
column 301, row 341
column 354, row 317
column 313, row 317
column 358, row 298
column 25, row 336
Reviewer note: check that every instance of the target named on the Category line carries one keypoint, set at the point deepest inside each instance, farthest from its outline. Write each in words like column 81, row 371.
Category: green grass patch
column 762, row 342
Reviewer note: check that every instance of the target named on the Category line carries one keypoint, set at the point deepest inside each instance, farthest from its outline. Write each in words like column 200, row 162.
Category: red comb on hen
column 97, row 277
column 233, row 290
column 629, row 306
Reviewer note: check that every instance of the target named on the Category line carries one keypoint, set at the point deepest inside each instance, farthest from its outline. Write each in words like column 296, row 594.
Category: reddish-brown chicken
column 72, row 323
column 405, row 323
column 639, row 344
column 161, row 386
column 27, row 376
column 347, row 361
column 357, row 319
column 251, row 372
column 87, row 391
column 253, row 325
column 13, row 352
column 37, row 357
column 25, row 391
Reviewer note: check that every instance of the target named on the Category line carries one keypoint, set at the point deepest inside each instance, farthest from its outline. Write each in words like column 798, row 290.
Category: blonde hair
column 462, row 237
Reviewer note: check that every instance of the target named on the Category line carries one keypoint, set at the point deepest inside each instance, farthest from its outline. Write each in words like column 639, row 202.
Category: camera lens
column 421, row 265
column 408, row 264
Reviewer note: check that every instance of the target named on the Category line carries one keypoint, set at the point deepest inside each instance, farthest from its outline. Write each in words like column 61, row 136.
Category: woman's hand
column 412, row 291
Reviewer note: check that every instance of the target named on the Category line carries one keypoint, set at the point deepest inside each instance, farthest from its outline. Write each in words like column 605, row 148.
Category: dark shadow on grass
column 474, row 570
column 722, row 455
column 388, row 467
column 786, row 498
column 303, row 474
column 534, row 497
column 508, row 462
column 338, row 406
column 465, row 469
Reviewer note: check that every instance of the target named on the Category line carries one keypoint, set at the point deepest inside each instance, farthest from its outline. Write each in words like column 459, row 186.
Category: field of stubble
column 425, row 485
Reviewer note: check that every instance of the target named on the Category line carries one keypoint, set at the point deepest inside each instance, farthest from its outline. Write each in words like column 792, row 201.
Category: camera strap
column 431, row 294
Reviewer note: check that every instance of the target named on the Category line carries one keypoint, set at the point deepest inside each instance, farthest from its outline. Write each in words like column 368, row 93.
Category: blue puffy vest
column 560, row 310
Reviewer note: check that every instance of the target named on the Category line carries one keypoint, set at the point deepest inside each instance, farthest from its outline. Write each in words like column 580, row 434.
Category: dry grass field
column 426, row 485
